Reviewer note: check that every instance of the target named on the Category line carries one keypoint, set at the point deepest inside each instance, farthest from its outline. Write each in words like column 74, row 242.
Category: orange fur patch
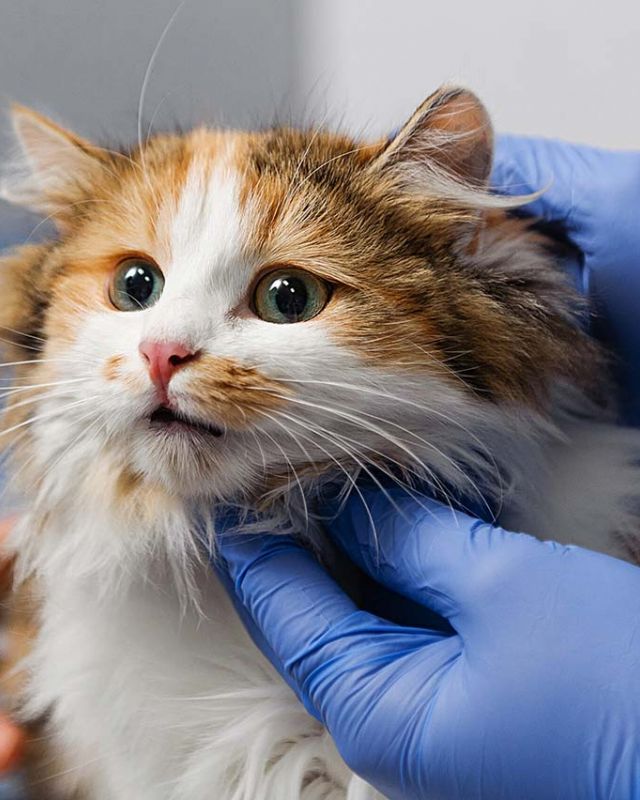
column 111, row 369
column 234, row 393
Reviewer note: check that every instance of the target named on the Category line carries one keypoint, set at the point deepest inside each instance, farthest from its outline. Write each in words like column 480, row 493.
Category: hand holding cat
column 594, row 195
column 536, row 695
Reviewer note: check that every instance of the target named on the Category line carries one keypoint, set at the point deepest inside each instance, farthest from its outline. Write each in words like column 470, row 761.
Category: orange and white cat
column 238, row 318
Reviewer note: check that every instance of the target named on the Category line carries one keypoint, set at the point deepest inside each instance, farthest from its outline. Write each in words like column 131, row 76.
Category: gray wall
column 83, row 62
column 562, row 67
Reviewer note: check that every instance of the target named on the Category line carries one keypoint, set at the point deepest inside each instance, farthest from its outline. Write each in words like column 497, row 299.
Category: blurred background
column 561, row 68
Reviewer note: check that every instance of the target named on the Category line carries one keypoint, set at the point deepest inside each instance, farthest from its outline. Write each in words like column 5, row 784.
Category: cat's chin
column 165, row 422
column 192, row 464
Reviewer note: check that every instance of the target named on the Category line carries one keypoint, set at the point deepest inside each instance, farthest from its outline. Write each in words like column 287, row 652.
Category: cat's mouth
column 170, row 421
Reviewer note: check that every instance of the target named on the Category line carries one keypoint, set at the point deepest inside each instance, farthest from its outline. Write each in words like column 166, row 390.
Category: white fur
column 154, row 689
column 153, row 703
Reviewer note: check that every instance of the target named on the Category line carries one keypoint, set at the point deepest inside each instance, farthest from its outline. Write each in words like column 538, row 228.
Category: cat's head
column 223, row 310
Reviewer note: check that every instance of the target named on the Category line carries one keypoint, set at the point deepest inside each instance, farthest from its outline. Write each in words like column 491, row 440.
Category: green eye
column 290, row 295
column 135, row 284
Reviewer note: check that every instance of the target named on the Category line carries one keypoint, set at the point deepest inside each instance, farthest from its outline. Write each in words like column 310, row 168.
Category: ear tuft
column 450, row 131
column 52, row 166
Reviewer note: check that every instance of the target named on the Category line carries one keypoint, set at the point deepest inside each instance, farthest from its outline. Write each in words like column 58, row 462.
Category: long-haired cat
column 239, row 318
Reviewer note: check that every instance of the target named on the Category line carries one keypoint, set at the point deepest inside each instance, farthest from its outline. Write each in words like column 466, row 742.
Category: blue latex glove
column 594, row 195
column 535, row 697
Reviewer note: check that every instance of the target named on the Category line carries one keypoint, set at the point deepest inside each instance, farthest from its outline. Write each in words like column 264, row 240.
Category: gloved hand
column 535, row 697
column 594, row 195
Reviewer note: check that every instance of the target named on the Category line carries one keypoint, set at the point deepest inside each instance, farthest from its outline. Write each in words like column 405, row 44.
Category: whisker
column 350, row 478
column 326, row 163
column 294, row 472
column 327, row 435
column 29, row 400
column 352, row 455
column 293, row 187
column 83, row 433
column 433, row 476
column 406, row 401
column 46, row 415
column 27, row 388
column 36, row 361
column 147, row 77
column 56, row 213
column 154, row 115
column 360, row 423
column 22, row 333
column 385, row 458
column 22, row 346
column 34, row 455
column 261, row 450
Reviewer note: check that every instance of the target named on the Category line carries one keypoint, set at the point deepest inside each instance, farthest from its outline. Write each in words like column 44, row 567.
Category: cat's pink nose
column 163, row 359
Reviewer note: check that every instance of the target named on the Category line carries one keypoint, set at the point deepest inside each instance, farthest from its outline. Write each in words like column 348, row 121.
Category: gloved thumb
column 525, row 165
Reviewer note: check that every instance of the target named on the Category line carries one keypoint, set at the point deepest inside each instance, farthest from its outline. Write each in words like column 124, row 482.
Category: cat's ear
column 451, row 131
column 53, row 169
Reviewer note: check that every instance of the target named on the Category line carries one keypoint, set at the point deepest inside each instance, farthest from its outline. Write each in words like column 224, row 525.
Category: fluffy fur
column 449, row 357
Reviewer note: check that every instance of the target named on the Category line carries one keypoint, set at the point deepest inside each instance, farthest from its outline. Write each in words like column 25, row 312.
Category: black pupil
column 139, row 282
column 290, row 296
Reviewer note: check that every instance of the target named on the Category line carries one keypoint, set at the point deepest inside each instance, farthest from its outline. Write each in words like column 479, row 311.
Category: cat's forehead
column 213, row 198
column 205, row 225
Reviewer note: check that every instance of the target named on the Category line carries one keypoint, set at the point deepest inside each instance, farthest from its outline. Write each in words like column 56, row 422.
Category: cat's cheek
column 120, row 375
column 106, row 352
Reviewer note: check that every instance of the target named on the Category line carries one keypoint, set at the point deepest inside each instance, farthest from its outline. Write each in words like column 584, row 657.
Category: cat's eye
column 135, row 284
column 290, row 295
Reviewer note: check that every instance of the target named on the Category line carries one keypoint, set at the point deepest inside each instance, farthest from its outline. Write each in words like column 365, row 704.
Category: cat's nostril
column 175, row 360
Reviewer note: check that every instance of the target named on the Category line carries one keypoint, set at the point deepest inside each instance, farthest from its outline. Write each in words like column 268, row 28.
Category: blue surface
column 12, row 789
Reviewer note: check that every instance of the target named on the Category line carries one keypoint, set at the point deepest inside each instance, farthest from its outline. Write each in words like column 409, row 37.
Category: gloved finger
column 525, row 165
column 256, row 570
column 430, row 553
column 323, row 641
column 258, row 636
column 281, row 583
column 290, row 599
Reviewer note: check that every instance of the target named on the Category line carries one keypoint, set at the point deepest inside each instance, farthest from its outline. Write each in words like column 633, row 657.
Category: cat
column 231, row 318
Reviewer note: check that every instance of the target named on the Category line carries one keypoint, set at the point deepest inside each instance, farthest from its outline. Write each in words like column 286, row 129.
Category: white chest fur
column 154, row 702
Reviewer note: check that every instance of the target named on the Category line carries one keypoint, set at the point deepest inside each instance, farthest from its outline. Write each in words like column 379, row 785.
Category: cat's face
column 226, row 311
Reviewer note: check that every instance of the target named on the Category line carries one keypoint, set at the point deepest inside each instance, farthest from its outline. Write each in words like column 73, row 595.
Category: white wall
column 566, row 68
